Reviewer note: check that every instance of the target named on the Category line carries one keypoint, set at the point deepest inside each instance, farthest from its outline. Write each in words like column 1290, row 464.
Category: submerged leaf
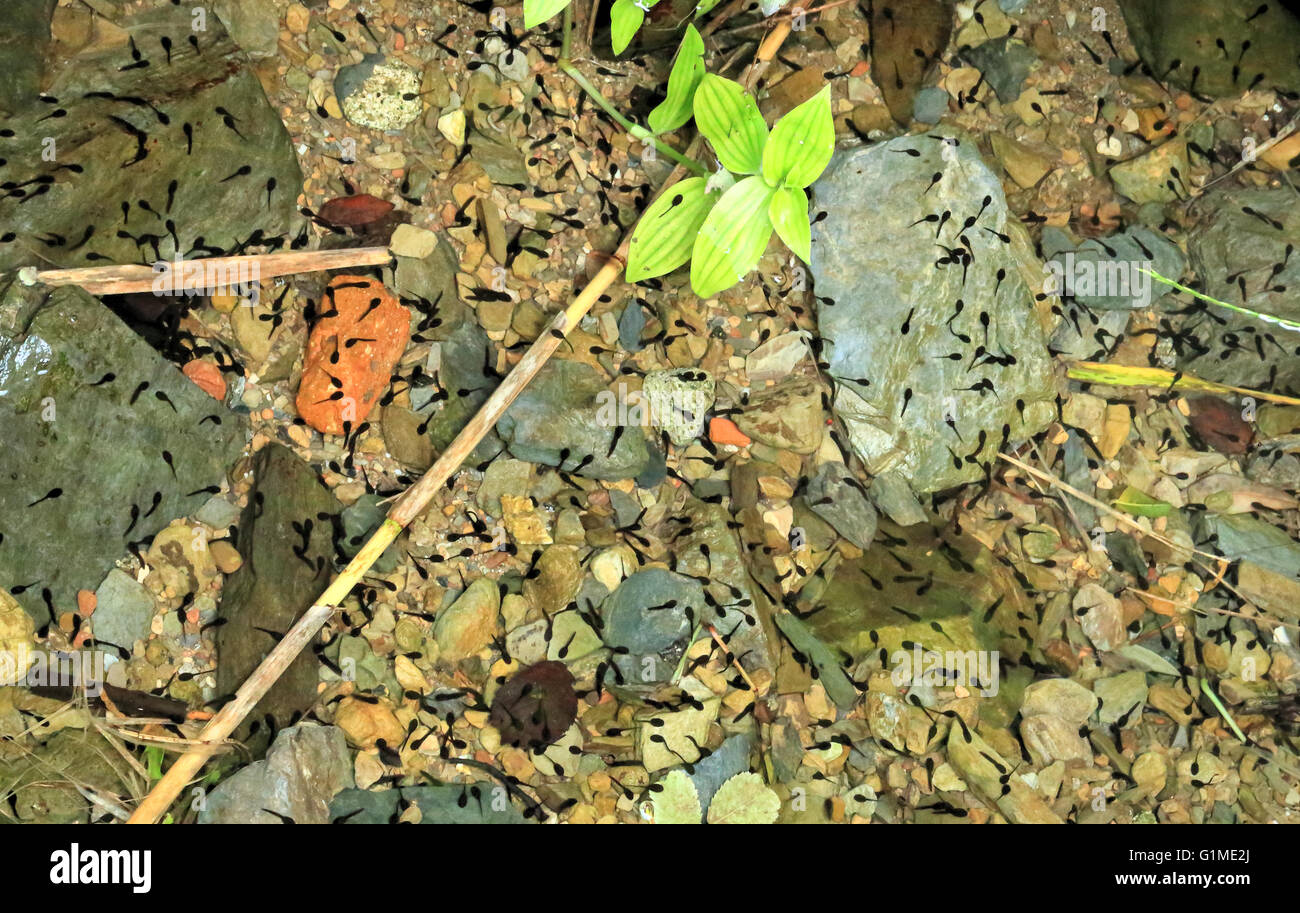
column 355, row 211
column 678, row 802
column 536, row 706
column 733, row 237
column 1140, row 504
column 688, row 70
column 663, row 239
column 744, row 799
column 729, row 118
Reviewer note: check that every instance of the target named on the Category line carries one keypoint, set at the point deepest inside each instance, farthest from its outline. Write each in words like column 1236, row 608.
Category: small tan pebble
column 297, row 18
column 225, row 556
column 225, row 303
column 598, row 781
column 86, row 602
column 515, row 762
column 300, row 435
column 582, row 814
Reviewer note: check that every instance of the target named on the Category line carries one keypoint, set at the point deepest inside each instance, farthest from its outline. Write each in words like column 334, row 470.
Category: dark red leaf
column 354, row 211
column 1219, row 424
column 536, row 706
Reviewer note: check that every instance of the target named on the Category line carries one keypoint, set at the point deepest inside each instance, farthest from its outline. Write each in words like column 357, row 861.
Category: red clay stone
column 334, row 392
column 207, row 376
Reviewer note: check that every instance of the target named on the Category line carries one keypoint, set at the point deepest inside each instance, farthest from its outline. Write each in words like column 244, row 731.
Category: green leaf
column 538, row 11
column 1140, row 504
column 728, row 117
column 704, row 6
column 678, row 802
column 625, row 17
column 801, row 143
column 732, row 239
column 684, row 79
column 789, row 214
column 744, row 799
column 663, row 239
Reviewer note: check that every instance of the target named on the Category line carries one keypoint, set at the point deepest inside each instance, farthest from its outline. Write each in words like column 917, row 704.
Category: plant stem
column 568, row 34
column 1267, row 318
column 1223, row 712
column 638, row 132
column 633, row 130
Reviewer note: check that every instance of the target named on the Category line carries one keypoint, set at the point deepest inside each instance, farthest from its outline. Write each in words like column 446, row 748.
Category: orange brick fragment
column 724, row 431
column 341, row 382
column 207, row 376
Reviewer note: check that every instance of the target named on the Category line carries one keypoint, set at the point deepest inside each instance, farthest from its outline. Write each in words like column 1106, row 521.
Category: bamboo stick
column 405, row 509
column 122, row 279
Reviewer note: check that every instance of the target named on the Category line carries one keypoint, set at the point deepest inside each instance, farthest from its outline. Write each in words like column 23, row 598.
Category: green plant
column 625, row 16
column 722, row 225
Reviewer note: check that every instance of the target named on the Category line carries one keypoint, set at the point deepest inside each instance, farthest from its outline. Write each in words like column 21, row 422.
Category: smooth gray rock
column 630, row 324
column 254, row 24
column 830, row 672
column 893, row 497
column 930, row 105
column 463, row 355
column 647, row 612
column 1005, row 62
column 838, row 498
column 222, row 213
column 66, row 430
column 360, row 519
column 1098, row 278
column 502, row 160
column 1120, row 695
column 217, row 512
column 123, row 610
column 304, row 769
column 1085, row 334
column 1229, row 243
column 285, row 539
column 731, row 758
column 563, row 409
column 22, row 51
column 445, row 803
column 894, row 321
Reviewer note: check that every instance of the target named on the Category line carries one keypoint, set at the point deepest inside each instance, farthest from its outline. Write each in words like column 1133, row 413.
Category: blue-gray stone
column 891, row 330
column 836, row 496
column 304, row 769
column 630, row 324
column 731, row 758
column 1106, row 273
column 646, row 613
column 930, row 105
column 568, row 407
column 80, row 449
column 123, row 610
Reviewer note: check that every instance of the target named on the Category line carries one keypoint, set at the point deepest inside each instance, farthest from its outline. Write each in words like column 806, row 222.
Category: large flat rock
column 75, row 170
column 913, row 393
column 90, row 410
